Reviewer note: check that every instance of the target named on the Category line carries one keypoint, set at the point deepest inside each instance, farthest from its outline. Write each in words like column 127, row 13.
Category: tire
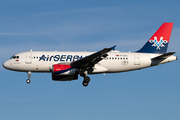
column 86, row 79
column 28, row 81
column 85, row 83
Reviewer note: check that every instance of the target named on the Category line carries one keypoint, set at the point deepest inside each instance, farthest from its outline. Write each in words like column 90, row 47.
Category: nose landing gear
column 28, row 81
column 29, row 76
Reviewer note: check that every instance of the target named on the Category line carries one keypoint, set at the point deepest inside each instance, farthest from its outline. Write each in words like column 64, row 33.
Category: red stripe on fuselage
column 60, row 67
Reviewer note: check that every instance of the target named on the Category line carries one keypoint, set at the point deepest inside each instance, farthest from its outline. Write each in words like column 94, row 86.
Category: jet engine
column 62, row 72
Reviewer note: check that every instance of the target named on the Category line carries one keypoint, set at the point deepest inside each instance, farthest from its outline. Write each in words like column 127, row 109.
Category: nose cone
column 8, row 65
column 5, row 65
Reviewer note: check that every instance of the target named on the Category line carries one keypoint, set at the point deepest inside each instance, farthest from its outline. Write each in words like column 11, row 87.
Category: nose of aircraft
column 5, row 64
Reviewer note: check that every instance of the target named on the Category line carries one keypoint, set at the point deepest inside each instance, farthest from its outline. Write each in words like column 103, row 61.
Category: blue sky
column 70, row 25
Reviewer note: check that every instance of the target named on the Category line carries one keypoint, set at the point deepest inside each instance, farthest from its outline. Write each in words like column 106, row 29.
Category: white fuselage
column 37, row 61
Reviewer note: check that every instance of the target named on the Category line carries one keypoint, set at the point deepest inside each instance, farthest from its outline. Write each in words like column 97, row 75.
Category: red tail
column 158, row 43
column 164, row 31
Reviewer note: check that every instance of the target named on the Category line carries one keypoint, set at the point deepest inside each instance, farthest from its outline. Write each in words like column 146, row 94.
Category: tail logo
column 158, row 44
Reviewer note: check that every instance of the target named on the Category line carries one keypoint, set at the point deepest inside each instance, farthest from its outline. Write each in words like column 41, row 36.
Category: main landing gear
column 29, row 76
column 86, row 79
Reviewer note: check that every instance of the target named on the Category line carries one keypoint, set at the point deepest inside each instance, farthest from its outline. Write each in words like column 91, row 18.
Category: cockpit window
column 14, row 57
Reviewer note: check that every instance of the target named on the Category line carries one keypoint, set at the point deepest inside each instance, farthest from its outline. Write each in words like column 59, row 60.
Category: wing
column 89, row 61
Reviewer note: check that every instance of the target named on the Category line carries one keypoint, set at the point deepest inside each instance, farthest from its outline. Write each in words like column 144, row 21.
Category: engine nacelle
column 62, row 72
column 62, row 69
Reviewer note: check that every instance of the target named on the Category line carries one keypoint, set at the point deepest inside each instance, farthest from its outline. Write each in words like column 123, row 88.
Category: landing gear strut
column 29, row 76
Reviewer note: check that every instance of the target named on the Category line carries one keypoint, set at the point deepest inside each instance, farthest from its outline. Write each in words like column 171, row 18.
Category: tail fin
column 158, row 43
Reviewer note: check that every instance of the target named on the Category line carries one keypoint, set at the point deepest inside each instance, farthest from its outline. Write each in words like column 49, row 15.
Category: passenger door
column 28, row 58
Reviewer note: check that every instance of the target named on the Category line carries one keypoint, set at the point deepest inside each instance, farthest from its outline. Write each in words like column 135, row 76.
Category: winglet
column 113, row 48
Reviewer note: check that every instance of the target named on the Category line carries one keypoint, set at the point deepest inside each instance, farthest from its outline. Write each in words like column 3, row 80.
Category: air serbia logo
column 158, row 44
column 67, row 58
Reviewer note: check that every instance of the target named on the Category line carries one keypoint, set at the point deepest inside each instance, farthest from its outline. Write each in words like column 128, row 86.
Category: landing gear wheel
column 86, row 81
column 28, row 81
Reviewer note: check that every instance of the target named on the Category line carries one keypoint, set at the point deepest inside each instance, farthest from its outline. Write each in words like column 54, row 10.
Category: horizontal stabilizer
column 164, row 56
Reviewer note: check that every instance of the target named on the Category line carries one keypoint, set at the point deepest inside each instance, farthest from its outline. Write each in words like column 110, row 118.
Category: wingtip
column 113, row 48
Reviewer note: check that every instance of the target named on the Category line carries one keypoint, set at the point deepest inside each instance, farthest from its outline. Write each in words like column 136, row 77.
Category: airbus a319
column 66, row 66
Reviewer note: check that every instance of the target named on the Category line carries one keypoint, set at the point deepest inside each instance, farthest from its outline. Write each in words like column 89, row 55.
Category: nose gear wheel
column 28, row 81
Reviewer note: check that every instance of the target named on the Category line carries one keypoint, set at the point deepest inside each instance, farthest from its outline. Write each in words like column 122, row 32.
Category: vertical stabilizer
column 158, row 43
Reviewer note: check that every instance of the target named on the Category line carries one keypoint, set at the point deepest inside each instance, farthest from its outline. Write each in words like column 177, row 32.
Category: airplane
column 66, row 66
